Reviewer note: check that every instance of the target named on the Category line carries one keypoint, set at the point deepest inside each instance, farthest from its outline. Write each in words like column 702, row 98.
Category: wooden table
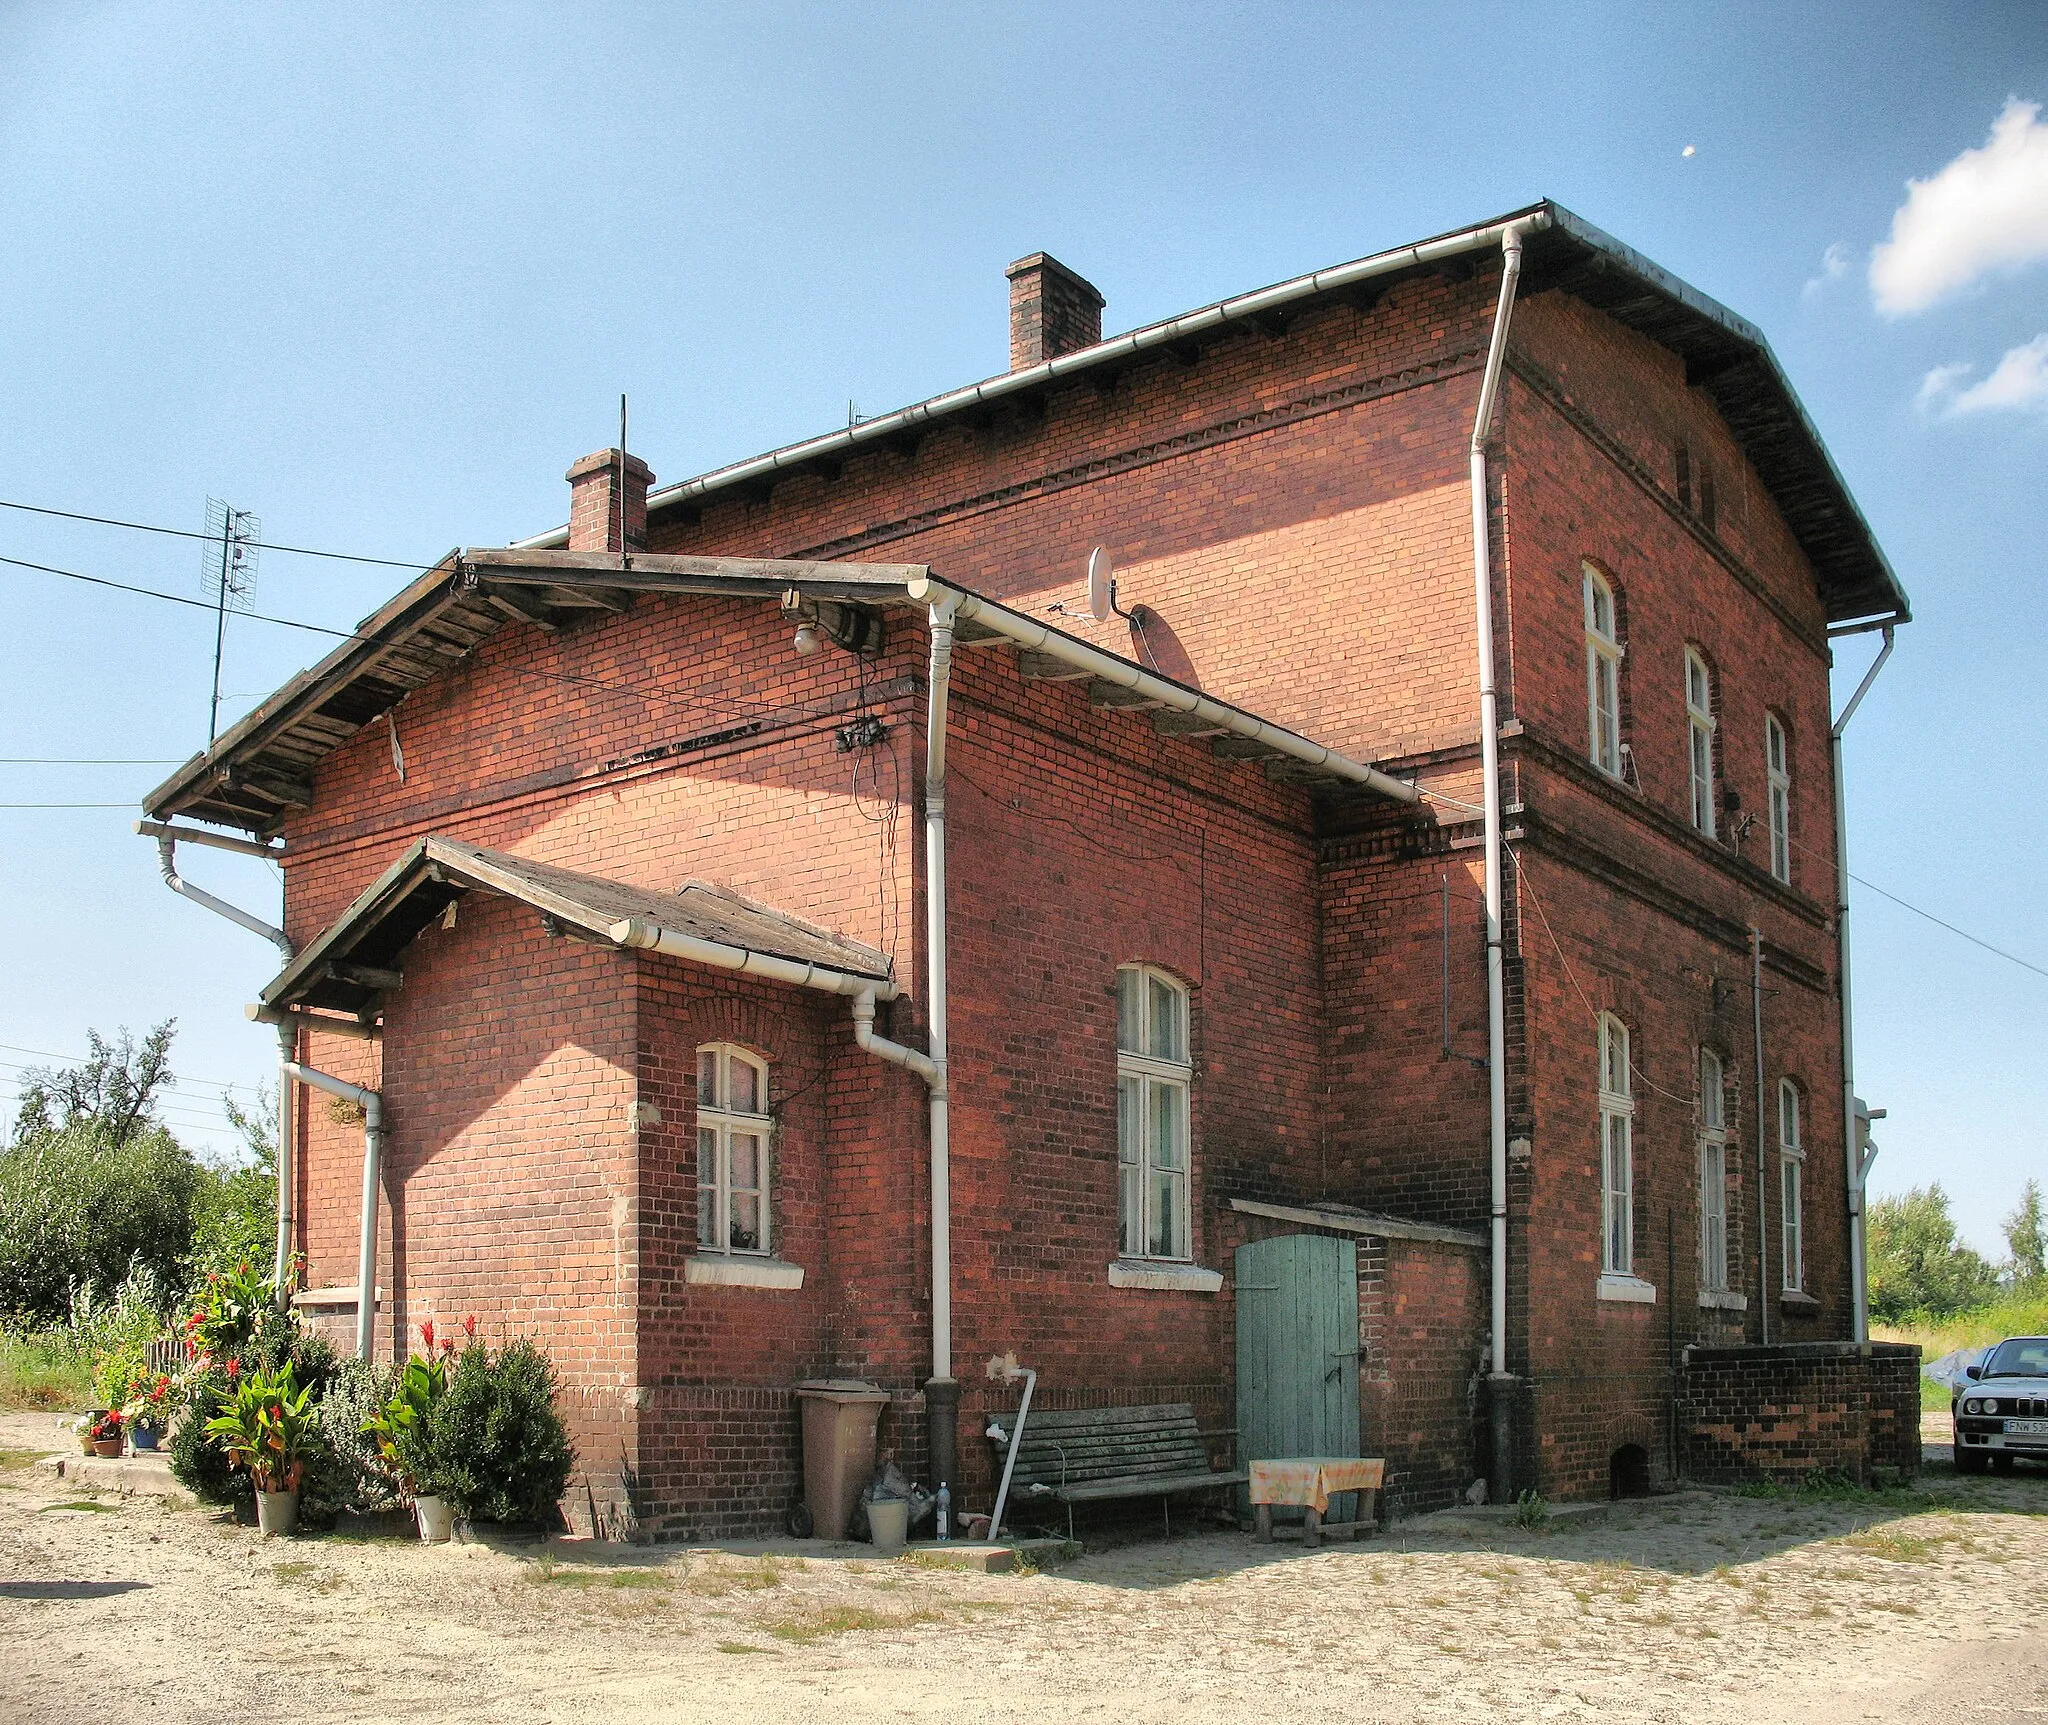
column 1311, row 1481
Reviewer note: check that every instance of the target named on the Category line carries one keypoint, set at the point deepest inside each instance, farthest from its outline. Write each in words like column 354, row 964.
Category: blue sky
column 380, row 273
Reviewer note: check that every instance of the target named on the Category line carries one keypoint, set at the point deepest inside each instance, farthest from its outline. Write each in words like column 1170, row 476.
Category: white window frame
column 1791, row 1181
column 1700, row 725
column 1778, row 768
column 1603, row 673
column 1713, row 1173
column 1154, row 1089
column 718, row 1123
column 1617, row 1151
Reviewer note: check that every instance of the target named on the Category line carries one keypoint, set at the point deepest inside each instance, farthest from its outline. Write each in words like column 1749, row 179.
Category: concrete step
column 992, row 1557
column 127, row 1476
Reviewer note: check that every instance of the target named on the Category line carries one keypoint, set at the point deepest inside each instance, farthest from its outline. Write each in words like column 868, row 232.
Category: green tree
column 1916, row 1263
column 2026, row 1239
column 112, row 1095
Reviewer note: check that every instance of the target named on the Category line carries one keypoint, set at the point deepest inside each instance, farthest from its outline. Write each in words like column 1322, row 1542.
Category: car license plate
column 2026, row 1428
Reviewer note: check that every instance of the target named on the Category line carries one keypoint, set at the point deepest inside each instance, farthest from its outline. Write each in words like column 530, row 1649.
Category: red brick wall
column 1785, row 1413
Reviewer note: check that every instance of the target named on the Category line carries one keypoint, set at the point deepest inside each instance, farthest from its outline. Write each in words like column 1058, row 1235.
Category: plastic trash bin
column 840, row 1415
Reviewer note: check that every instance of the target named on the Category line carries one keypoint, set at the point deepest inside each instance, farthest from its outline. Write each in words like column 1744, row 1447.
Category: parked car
column 2001, row 1406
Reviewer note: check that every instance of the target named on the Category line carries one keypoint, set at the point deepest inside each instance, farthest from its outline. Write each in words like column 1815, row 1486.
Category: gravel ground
column 1927, row 1606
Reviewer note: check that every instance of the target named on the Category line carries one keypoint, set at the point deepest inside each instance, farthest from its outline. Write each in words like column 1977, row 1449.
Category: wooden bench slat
column 1145, row 1485
column 1083, row 1455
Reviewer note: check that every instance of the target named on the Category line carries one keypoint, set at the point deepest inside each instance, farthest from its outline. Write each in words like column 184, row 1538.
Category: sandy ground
column 1689, row 1609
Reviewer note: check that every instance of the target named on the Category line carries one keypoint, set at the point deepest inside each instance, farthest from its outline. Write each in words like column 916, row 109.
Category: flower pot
column 108, row 1448
column 436, row 1518
column 277, row 1511
column 145, row 1440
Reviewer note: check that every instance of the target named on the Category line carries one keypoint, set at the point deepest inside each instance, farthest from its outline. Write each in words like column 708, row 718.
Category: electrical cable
column 77, row 761
column 188, row 533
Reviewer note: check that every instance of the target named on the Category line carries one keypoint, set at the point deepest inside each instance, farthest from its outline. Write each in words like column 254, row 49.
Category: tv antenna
column 228, row 572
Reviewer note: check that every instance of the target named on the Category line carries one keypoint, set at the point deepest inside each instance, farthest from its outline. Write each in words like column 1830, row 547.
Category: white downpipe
column 880, row 1046
column 942, row 614
column 287, row 1163
column 1489, row 757
column 372, row 1106
column 1853, row 1168
column 166, row 852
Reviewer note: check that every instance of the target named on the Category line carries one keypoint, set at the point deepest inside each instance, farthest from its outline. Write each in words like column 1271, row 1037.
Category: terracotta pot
column 277, row 1511
column 107, row 1447
column 436, row 1518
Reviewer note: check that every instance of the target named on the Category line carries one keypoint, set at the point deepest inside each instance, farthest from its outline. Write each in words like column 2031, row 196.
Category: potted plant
column 269, row 1428
column 107, row 1432
column 404, row 1434
column 151, row 1397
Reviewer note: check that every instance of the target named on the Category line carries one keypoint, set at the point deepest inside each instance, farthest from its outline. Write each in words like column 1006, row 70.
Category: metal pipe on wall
column 1763, row 1206
column 1500, row 1380
column 942, row 1392
column 372, row 1106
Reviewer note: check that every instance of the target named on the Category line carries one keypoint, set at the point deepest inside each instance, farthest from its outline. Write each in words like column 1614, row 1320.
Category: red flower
column 427, row 1334
column 469, row 1326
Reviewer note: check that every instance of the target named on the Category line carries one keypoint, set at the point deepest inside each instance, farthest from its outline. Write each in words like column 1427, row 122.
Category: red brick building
column 791, row 928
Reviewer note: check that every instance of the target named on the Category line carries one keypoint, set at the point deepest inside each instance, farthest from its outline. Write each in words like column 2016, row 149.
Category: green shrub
column 234, row 1220
column 356, row 1394
column 1917, row 1265
column 498, row 1445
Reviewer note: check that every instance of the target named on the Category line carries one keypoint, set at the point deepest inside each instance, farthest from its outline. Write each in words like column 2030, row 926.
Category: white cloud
column 1940, row 383
column 1834, row 264
column 2019, row 380
column 1988, row 209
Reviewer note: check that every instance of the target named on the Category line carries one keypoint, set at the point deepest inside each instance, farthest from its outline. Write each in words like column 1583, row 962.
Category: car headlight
column 1972, row 1406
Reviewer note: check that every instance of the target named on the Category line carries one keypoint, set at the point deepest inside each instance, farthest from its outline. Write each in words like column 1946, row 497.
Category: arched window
column 1617, row 1151
column 733, row 1130
column 1699, row 718
column 1153, row 1076
column 1603, row 674
column 1713, row 1173
column 1778, row 767
column 1791, row 1176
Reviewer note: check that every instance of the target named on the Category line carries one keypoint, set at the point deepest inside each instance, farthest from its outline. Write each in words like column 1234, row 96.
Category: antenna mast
column 228, row 571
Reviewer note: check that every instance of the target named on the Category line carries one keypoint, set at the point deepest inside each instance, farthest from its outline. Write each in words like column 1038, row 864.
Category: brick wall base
column 1784, row 1412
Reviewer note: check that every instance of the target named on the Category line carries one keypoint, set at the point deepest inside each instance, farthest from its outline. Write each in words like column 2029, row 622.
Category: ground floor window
column 733, row 1129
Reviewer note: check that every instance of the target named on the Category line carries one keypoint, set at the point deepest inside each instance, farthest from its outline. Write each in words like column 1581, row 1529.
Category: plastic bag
column 889, row 1482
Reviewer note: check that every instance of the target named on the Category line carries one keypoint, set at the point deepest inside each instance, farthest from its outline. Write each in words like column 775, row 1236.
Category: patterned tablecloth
column 1311, row 1480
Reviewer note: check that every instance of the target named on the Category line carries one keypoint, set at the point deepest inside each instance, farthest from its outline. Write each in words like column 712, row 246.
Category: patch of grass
column 803, row 1628
column 2015, row 1315
column 311, row 1574
column 1897, row 1547
column 43, row 1374
column 1532, row 1510
column 91, row 1505
column 645, row 1580
column 741, row 1647
column 18, row 1460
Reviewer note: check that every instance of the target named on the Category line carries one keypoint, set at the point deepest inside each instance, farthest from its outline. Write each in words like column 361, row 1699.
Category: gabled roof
column 263, row 765
column 357, row 959
column 1724, row 354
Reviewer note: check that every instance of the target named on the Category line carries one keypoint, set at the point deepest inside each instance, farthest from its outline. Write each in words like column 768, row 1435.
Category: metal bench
column 1096, row 1455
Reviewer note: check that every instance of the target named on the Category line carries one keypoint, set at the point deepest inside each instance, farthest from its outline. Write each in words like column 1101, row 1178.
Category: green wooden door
column 1297, row 1352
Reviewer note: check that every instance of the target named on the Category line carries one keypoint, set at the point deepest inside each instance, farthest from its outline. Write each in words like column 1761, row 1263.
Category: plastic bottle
column 945, row 1524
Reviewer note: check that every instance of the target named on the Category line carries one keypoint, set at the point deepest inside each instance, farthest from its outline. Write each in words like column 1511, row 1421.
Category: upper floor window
column 1713, row 1172
column 1603, row 674
column 1699, row 715
column 1791, row 1171
column 1617, row 1153
column 1153, row 1077
column 1778, row 767
column 733, row 1130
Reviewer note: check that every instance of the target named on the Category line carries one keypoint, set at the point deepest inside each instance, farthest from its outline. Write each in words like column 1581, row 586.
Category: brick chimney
column 1052, row 311
column 594, row 509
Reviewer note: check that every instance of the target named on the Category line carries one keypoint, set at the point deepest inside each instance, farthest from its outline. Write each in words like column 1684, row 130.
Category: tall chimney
column 1052, row 311
column 594, row 511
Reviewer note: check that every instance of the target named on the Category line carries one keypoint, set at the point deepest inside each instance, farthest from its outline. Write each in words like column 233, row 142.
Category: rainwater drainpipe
column 1855, row 1164
column 372, row 1106
column 1500, row 1382
column 1763, row 1190
column 167, row 837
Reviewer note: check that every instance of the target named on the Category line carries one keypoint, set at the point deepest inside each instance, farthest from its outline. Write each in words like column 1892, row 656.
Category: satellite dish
column 1099, row 572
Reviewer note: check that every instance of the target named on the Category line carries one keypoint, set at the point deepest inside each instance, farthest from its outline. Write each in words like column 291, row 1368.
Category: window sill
column 730, row 1270
column 1796, row 1300
column 1723, row 1300
column 1186, row 1278
column 1629, row 1290
column 330, row 1299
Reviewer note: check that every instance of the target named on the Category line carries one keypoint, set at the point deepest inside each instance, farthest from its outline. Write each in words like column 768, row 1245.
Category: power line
column 179, row 599
column 187, row 533
column 77, row 761
column 127, row 805
column 1998, row 951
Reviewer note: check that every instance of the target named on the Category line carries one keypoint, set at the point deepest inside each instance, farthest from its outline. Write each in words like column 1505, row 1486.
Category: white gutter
column 372, row 1106
column 1854, row 1164
column 1137, row 341
column 881, row 1047
column 942, row 1391
column 651, row 936
column 1025, row 632
column 1501, row 1474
